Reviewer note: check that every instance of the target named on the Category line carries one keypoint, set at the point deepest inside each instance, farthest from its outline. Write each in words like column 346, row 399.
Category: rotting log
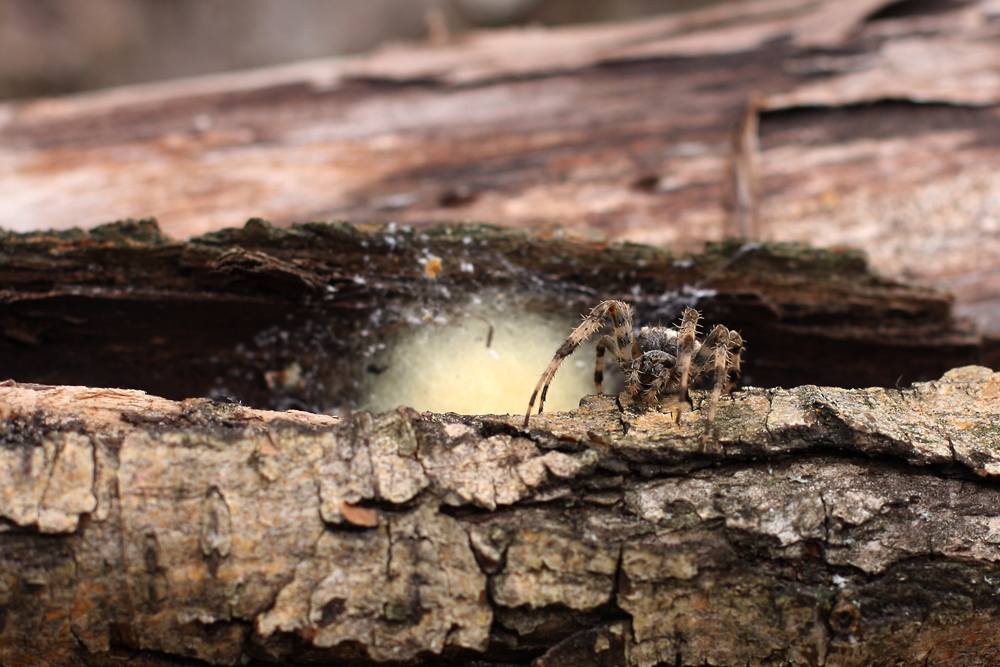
column 820, row 526
column 227, row 314
column 865, row 140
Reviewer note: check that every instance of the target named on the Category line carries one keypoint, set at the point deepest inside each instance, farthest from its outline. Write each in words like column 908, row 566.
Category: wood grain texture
column 878, row 131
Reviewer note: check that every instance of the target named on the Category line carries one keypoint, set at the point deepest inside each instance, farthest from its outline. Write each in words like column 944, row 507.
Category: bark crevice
column 470, row 538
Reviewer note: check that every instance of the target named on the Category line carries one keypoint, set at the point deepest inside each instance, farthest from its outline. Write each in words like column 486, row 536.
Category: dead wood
column 877, row 130
column 236, row 313
column 823, row 526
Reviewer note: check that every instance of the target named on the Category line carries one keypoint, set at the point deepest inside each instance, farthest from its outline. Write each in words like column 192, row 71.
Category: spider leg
column 685, row 348
column 736, row 349
column 633, row 380
column 606, row 342
column 621, row 317
column 722, row 361
column 704, row 357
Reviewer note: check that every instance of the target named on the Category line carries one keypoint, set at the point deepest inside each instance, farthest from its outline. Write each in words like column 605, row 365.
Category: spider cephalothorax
column 658, row 362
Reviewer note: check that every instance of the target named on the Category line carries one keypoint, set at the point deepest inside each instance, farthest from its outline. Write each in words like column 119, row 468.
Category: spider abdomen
column 657, row 338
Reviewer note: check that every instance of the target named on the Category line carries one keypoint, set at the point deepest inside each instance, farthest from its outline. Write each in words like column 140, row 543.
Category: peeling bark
column 821, row 526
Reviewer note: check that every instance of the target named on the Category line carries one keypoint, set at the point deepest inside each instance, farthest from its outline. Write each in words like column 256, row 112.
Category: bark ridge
column 823, row 526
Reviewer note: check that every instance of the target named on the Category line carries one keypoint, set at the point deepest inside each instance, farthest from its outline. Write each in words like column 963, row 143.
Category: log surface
column 877, row 129
column 227, row 314
column 821, row 526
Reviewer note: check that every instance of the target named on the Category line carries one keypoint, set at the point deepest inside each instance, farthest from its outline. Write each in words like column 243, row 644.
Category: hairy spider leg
column 632, row 381
column 703, row 359
column 685, row 347
column 718, row 343
column 606, row 342
column 736, row 348
column 621, row 318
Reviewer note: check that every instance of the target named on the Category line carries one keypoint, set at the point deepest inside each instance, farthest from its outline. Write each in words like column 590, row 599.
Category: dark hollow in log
column 234, row 313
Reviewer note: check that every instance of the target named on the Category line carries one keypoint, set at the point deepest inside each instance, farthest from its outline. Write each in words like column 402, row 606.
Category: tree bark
column 818, row 526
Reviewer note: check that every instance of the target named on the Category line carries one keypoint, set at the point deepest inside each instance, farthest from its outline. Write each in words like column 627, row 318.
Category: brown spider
column 660, row 361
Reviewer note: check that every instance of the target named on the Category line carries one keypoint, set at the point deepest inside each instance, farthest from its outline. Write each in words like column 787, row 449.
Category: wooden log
column 138, row 526
column 822, row 526
column 216, row 532
column 864, row 139
column 296, row 318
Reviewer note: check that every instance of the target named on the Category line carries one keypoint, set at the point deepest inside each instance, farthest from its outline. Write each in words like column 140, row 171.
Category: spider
column 659, row 362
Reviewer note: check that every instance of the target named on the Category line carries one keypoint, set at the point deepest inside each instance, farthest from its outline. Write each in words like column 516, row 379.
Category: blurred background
column 872, row 124
column 50, row 47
